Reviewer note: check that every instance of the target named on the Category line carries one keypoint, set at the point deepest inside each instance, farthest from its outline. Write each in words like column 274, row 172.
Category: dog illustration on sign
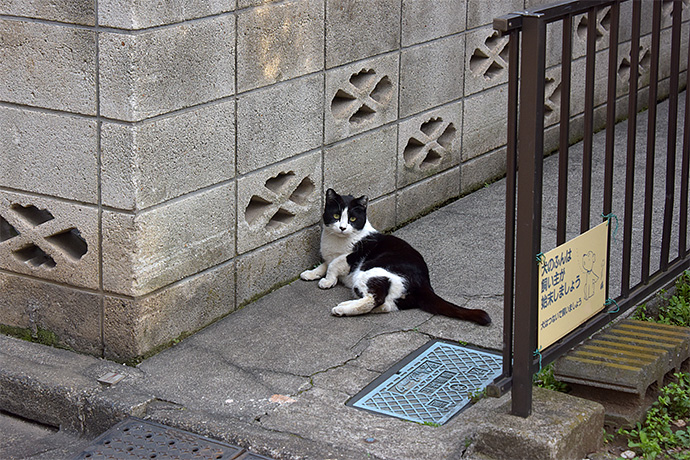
column 589, row 260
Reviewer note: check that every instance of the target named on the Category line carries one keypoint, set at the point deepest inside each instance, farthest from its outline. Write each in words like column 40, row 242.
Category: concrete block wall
column 162, row 166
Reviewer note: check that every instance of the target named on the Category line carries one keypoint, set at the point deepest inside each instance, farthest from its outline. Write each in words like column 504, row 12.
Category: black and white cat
column 385, row 272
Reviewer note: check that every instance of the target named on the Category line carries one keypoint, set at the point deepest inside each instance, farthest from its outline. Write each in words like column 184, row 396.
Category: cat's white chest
column 335, row 246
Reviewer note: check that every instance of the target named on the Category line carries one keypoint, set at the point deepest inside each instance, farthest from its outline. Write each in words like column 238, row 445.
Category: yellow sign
column 572, row 284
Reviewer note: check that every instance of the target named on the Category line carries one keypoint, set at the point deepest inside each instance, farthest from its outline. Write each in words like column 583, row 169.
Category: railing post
column 630, row 149
column 672, row 137
column 511, row 171
column 529, row 202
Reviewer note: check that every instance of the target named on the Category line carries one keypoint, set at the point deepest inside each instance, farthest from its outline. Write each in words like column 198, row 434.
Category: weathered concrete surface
column 276, row 379
column 275, row 382
column 23, row 439
column 200, row 138
column 561, row 427
column 275, row 375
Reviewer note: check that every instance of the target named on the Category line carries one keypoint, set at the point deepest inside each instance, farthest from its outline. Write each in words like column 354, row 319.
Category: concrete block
column 50, row 239
column 146, row 251
column 667, row 17
column 485, row 121
column 482, row 169
column 423, row 21
column 554, row 37
column 554, row 44
column 424, row 195
column 71, row 316
column 486, row 63
column 264, row 269
column 429, row 143
column 665, row 51
column 553, row 96
column 48, row 66
column 279, row 200
column 646, row 17
column 577, row 85
column 624, row 69
column 624, row 366
column 148, row 163
column 629, row 357
column 277, row 42
column 357, row 29
column 482, row 13
column 48, row 153
column 165, row 69
column 580, row 24
column 431, row 74
column 561, row 427
column 381, row 212
column 350, row 166
column 361, row 96
column 279, row 122
column 135, row 327
column 140, row 14
column 625, row 24
column 74, row 12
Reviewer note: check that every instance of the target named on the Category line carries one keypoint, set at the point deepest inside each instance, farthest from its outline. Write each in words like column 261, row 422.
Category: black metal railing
column 525, row 163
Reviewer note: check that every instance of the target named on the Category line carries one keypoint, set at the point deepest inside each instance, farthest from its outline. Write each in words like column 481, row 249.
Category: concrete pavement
column 274, row 377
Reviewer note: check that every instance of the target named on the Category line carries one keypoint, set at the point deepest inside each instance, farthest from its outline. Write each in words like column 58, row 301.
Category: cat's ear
column 362, row 201
column 330, row 194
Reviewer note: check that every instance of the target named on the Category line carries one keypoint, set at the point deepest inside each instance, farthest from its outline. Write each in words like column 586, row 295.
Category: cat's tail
column 432, row 303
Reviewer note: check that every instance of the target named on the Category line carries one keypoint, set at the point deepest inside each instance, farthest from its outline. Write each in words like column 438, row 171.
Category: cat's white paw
column 346, row 308
column 327, row 283
column 310, row 275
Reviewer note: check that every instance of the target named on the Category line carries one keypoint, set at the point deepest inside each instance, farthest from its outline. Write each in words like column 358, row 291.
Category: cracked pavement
column 284, row 366
column 275, row 376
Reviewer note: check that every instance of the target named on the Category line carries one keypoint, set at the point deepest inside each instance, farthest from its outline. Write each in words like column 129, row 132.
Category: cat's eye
column 336, row 216
column 352, row 219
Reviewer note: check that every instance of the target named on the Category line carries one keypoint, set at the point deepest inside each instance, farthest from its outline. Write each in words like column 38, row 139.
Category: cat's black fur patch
column 378, row 287
column 396, row 256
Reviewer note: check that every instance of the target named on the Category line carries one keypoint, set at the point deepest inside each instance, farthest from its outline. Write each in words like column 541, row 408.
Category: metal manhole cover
column 139, row 439
column 432, row 384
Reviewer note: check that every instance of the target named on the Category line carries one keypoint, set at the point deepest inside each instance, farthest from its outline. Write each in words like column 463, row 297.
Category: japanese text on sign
column 572, row 284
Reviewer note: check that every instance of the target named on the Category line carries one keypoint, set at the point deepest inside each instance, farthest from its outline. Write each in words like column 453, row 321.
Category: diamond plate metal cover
column 432, row 384
column 134, row 438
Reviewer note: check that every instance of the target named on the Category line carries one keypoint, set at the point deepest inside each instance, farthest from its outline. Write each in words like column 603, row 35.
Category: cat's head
column 344, row 214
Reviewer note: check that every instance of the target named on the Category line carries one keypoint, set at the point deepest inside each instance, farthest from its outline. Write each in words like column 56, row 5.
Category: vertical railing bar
column 611, row 107
column 529, row 202
column 683, row 219
column 630, row 154
column 651, row 139
column 564, row 127
column 511, row 159
column 672, row 135
column 614, row 13
column 589, row 120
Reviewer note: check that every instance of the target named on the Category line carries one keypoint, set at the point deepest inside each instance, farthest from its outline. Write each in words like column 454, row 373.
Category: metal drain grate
column 134, row 438
column 432, row 384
